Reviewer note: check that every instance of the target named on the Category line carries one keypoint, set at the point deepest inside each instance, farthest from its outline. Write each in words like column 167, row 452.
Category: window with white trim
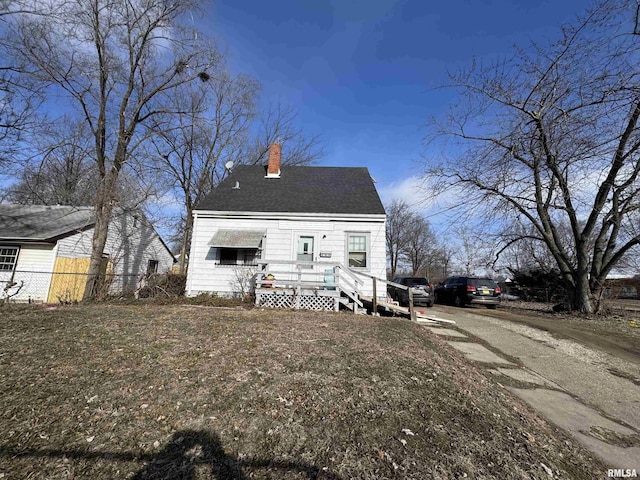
column 8, row 258
column 358, row 250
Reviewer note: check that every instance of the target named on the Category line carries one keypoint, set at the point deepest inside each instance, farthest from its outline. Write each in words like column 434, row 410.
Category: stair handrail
column 387, row 282
column 345, row 280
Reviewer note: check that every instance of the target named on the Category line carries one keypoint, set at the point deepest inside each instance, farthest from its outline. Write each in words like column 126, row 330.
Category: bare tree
column 523, row 250
column 550, row 137
column 473, row 253
column 410, row 241
column 277, row 123
column 445, row 256
column 18, row 101
column 420, row 244
column 398, row 218
column 62, row 171
column 19, row 96
column 116, row 64
column 194, row 146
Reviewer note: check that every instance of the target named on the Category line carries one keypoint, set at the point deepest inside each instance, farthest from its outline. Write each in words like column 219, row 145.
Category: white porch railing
column 374, row 297
column 299, row 282
column 308, row 278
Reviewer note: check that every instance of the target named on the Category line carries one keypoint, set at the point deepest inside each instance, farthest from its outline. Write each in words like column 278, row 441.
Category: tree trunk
column 596, row 297
column 580, row 295
column 188, row 227
column 103, row 215
column 103, row 210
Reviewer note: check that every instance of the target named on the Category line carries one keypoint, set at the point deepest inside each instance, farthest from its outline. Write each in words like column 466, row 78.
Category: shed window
column 8, row 258
column 152, row 267
column 358, row 250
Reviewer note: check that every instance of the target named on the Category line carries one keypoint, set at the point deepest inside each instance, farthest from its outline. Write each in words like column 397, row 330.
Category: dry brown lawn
column 181, row 392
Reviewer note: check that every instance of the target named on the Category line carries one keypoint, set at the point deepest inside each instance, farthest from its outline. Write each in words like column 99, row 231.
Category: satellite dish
column 229, row 165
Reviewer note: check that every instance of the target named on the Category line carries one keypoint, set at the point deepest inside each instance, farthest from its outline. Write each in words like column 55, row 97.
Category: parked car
column 463, row 291
column 421, row 290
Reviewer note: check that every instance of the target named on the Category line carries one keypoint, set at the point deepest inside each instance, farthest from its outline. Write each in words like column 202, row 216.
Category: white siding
column 131, row 243
column 280, row 243
column 77, row 245
column 204, row 276
column 5, row 275
column 34, row 267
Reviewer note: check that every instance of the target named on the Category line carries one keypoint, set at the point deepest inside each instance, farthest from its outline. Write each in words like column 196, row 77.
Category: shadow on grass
column 189, row 449
column 186, row 453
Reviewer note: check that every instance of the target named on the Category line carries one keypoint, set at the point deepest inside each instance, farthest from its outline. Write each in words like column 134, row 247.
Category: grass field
column 185, row 392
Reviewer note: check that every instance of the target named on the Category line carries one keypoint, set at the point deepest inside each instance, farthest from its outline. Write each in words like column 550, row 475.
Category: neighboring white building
column 45, row 250
column 331, row 215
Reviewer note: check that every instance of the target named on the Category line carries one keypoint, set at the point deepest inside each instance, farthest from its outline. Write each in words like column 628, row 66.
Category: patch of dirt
column 613, row 438
column 612, row 334
column 619, row 373
column 151, row 391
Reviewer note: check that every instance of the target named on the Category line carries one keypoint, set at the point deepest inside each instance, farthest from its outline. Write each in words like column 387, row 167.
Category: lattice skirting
column 290, row 300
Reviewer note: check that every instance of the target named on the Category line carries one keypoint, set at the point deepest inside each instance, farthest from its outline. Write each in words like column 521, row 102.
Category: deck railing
column 300, row 275
column 374, row 298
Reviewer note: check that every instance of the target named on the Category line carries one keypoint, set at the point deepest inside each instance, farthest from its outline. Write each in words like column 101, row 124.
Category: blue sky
column 363, row 73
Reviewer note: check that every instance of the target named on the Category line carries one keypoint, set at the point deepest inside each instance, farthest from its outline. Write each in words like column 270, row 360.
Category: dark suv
column 420, row 288
column 463, row 291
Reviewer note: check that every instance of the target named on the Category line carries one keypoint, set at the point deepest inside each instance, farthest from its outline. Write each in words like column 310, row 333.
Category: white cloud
column 419, row 195
column 408, row 190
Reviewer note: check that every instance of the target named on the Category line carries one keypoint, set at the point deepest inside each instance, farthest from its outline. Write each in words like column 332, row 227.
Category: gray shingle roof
column 42, row 223
column 340, row 190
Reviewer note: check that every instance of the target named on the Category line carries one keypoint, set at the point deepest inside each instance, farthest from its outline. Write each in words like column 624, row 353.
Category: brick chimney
column 275, row 157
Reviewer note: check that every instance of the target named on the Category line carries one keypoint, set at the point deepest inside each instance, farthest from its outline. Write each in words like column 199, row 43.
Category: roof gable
column 339, row 190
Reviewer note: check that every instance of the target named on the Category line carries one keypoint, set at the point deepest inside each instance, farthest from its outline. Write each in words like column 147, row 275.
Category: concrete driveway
column 593, row 395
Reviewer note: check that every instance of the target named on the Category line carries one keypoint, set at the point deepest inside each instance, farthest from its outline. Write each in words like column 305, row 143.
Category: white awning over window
column 237, row 239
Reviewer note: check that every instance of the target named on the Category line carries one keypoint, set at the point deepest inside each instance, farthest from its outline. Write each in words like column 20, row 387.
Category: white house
column 45, row 250
column 281, row 214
